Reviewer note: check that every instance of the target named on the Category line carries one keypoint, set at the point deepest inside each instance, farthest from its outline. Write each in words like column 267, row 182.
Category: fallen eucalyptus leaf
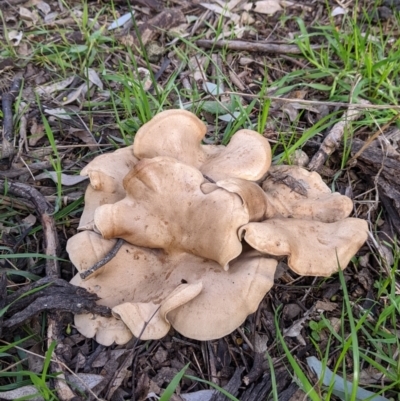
column 201, row 395
column 54, row 87
column 49, row 18
column 67, row 180
column 212, row 89
column 26, row 391
column 229, row 117
column 80, row 90
column 94, row 78
column 341, row 388
column 59, row 113
column 338, row 11
column 121, row 21
column 85, row 136
column 80, row 381
column 43, row 7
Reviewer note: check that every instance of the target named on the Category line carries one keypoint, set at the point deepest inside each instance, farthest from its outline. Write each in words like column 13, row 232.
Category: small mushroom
column 106, row 330
column 294, row 192
column 178, row 134
column 166, row 208
column 106, row 173
column 150, row 290
column 313, row 248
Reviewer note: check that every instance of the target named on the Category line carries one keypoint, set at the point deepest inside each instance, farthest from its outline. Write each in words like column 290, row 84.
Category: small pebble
column 299, row 158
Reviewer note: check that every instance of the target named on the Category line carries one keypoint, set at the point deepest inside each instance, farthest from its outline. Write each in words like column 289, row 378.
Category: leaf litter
column 86, row 73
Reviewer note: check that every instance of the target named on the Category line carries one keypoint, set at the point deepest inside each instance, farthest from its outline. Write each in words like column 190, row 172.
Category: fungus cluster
column 202, row 227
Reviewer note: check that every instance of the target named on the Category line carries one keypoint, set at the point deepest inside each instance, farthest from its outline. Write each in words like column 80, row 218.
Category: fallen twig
column 62, row 299
column 334, row 138
column 361, row 106
column 103, row 261
column 252, row 46
column 34, row 167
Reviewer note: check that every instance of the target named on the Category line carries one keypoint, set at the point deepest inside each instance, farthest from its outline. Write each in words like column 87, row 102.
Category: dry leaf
column 94, row 78
column 49, row 18
column 22, row 392
column 29, row 221
column 217, row 9
column 75, row 94
column 233, row 3
column 269, row 7
column 121, row 21
column 37, row 133
column 201, row 395
column 50, row 88
column 325, row 306
column 30, row 18
column 59, row 113
column 196, row 65
column 81, row 381
column 67, row 180
column 43, row 7
column 85, row 137
column 338, row 11
column 24, row 49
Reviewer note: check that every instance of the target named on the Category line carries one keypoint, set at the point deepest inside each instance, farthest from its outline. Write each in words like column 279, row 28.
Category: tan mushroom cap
column 172, row 133
column 313, row 248
column 294, row 192
column 106, row 173
column 192, row 294
column 178, row 134
column 253, row 197
column 165, row 208
column 247, row 156
column 106, row 330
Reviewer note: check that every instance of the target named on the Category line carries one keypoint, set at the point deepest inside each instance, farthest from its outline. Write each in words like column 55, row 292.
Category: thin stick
column 110, row 255
column 361, row 106
column 252, row 46
column 44, row 210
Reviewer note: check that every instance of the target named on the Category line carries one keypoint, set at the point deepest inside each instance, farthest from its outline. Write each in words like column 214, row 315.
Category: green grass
column 378, row 347
column 21, row 377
